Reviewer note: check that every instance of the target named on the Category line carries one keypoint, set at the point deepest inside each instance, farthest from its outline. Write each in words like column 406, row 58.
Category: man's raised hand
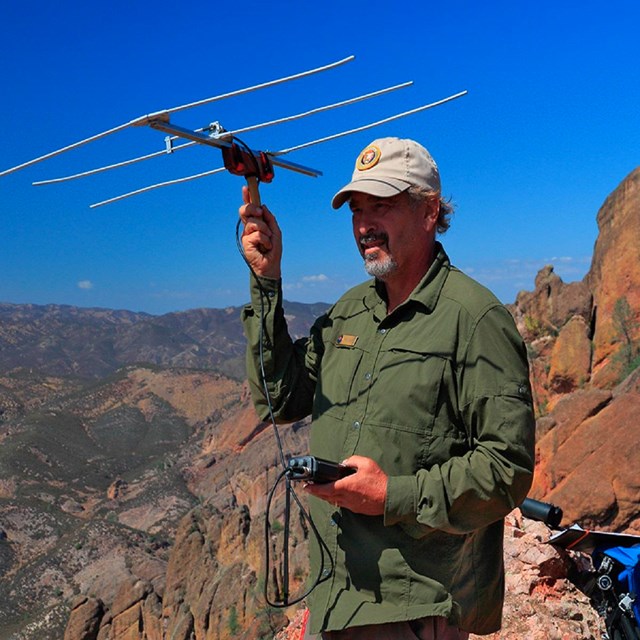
column 261, row 238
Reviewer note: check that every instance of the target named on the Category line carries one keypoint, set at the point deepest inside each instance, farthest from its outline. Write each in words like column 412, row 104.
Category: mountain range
column 91, row 343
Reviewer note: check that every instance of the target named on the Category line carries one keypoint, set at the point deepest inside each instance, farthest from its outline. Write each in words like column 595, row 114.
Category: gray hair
column 419, row 194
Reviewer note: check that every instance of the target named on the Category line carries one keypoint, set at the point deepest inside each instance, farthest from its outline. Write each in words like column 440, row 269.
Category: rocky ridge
column 585, row 334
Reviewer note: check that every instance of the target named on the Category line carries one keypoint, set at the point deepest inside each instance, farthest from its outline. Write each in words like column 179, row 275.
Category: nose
column 362, row 223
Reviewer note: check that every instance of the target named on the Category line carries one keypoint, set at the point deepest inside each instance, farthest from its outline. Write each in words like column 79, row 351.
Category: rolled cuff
column 401, row 504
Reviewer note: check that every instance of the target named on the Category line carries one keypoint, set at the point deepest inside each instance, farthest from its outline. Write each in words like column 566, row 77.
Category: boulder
column 587, row 463
column 84, row 621
column 570, row 365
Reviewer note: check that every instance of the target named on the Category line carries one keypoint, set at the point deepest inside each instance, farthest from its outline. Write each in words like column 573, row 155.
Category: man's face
column 393, row 235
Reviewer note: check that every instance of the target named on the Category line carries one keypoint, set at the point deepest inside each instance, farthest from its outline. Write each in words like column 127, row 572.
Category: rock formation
column 613, row 277
column 587, row 334
column 587, row 459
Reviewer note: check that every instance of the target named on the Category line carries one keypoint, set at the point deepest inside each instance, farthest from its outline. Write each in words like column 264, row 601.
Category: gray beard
column 380, row 267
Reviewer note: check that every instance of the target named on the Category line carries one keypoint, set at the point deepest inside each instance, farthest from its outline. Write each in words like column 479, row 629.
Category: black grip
column 316, row 469
column 545, row 512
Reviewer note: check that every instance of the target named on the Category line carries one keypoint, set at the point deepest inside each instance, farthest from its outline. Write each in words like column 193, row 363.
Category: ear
column 431, row 212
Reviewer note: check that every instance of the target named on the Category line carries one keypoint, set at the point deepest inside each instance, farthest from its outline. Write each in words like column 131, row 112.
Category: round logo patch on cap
column 368, row 158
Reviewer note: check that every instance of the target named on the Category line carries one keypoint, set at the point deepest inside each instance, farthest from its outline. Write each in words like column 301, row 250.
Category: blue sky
column 550, row 126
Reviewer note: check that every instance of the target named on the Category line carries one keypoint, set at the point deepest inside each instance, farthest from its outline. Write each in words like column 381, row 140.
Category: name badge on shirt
column 346, row 340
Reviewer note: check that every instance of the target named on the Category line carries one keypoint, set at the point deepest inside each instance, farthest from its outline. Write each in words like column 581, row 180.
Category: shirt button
column 356, row 425
column 326, row 573
column 367, row 376
column 271, row 294
column 382, row 331
column 332, row 522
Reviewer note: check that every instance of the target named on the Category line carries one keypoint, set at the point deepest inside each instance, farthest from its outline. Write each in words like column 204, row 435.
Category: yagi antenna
column 272, row 154
column 239, row 159
column 170, row 148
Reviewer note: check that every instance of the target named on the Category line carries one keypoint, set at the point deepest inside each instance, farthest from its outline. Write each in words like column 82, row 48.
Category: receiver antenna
column 272, row 154
column 170, row 148
column 255, row 166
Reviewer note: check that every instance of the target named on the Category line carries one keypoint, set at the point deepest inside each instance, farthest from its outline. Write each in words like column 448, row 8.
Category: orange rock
column 571, row 357
column 615, row 269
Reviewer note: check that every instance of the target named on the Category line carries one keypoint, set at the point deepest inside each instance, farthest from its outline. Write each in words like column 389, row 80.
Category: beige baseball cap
column 389, row 166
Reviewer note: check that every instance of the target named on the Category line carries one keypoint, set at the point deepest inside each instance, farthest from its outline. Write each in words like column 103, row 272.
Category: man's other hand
column 364, row 491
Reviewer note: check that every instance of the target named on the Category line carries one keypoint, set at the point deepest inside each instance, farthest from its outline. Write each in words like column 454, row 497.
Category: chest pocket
column 335, row 386
column 406, row 390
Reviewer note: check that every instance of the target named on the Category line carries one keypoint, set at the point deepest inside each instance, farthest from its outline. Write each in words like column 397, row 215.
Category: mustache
column 373, row 237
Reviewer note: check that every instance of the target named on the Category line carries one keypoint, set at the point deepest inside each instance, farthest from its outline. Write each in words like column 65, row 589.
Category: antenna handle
column 254, row 192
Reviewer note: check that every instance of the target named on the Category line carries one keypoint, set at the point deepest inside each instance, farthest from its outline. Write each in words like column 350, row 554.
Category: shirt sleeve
column 473, row 490
column 277, row 365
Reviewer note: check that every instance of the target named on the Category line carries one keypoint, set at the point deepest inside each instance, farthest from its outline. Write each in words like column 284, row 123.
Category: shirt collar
column 426, row 292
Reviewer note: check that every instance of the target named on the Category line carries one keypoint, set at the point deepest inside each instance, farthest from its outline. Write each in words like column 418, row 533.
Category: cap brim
column 380, row 188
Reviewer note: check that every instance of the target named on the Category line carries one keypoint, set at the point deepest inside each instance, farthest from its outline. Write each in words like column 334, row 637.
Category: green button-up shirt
column 437, row 393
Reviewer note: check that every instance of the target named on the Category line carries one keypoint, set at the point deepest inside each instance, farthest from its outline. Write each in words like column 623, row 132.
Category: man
column 419, row 380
